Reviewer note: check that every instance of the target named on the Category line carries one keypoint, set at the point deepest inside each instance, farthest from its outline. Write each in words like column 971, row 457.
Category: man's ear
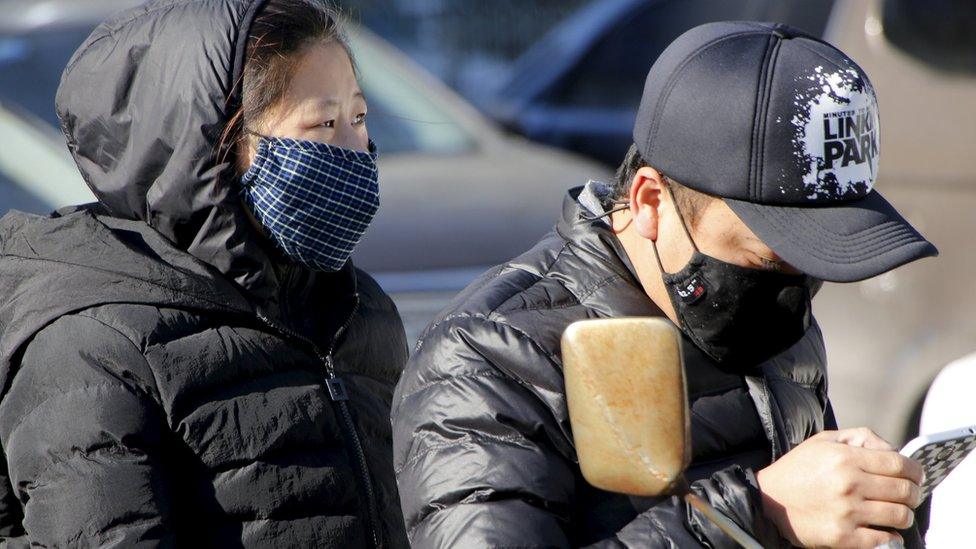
column 646, row 191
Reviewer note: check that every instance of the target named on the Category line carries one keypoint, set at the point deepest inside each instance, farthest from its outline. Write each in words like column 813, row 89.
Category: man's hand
column 831, row 489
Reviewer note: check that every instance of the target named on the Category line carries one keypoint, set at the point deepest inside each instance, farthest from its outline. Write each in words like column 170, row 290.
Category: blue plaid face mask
column 315, row 200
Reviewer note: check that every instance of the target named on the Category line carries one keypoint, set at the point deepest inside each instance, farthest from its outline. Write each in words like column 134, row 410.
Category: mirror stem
column 724, row 523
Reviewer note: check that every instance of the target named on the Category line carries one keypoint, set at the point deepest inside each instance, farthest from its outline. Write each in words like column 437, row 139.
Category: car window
column 403, row 116
column 612, row 73
column 36, row 172
column 940, row 33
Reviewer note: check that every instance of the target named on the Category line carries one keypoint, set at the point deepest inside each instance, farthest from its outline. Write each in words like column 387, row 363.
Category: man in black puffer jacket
column 169, row 376
column 483, row 446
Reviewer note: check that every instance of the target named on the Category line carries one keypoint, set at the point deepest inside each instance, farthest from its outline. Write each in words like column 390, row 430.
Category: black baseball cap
column 784, row 127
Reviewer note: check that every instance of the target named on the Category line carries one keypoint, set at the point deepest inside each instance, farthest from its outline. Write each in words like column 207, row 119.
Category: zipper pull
column 337, row 389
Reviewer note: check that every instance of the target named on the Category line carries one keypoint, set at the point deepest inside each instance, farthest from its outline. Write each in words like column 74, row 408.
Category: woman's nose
column 351, row 137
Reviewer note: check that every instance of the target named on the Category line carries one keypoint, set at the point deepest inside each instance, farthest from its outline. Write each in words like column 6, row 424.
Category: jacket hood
column 53, row 266
column 142, row 106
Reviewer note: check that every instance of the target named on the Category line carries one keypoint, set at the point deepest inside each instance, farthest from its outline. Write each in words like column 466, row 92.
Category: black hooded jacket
column 483, row 447
column 167, row 377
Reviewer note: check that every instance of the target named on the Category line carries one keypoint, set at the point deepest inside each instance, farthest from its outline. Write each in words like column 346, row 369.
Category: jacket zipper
column 762, row 399
column 775, row 439
column 338, row 394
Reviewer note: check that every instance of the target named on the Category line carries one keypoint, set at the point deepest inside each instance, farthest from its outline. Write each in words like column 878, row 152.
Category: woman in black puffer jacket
column 193, row 359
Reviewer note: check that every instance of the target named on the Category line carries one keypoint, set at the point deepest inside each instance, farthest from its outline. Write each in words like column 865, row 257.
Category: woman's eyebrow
column 333, row 102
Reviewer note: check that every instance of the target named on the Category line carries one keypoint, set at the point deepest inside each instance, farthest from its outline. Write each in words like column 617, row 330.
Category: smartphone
column 939, row 453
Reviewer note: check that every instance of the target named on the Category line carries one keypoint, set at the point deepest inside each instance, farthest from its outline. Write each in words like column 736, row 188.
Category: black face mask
column 738, row 316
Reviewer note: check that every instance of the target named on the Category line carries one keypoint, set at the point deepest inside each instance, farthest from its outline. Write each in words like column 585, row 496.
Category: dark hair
column 278, row 37
column 689, row 201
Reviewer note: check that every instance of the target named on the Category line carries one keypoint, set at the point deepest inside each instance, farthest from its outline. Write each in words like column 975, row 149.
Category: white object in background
column 950, row 403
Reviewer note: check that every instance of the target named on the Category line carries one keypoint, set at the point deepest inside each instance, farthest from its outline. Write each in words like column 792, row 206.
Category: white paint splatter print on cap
column 837, row 137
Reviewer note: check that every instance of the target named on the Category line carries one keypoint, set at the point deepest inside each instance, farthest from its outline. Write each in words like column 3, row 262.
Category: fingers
column 871, row 538
column 889, row 464
column 891, row 490
column 862, row 437
column 884, row 514
column 831, row 436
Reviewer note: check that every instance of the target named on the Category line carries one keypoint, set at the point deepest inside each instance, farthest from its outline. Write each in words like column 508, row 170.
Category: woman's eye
column 360, row 119
column 328, row 124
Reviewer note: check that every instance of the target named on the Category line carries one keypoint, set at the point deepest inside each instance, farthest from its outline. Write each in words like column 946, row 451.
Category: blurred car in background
column 578, row 88
column 457, row 194
column 888, row 337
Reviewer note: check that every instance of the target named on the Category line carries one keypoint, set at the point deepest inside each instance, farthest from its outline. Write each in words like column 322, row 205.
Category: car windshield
column 941, row 34
column 404, row 117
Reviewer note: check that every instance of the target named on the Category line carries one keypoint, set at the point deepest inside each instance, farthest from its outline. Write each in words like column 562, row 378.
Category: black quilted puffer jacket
column 167, row 377
column 483, row 448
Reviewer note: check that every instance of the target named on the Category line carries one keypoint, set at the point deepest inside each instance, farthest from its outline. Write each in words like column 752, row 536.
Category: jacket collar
column 607, row 279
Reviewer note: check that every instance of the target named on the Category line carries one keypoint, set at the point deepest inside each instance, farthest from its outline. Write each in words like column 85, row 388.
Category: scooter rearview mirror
column 627, row 399
column 625, row 388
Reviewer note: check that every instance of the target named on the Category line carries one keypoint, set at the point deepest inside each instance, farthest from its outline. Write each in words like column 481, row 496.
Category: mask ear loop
column 681, row 216
column 684, row 226
column 621, row 205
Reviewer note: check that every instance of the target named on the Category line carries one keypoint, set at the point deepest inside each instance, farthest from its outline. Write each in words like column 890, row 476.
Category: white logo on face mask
column 837, row 134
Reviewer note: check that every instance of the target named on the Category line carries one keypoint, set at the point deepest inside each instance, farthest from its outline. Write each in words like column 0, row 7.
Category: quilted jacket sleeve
column 82, row 438
column 481, row 459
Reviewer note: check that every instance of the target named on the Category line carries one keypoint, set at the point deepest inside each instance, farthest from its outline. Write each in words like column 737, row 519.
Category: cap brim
column 846, row 242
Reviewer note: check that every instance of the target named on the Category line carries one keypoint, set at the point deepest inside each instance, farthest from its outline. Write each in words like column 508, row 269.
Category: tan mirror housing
column 628, row 406
column 625, row 387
